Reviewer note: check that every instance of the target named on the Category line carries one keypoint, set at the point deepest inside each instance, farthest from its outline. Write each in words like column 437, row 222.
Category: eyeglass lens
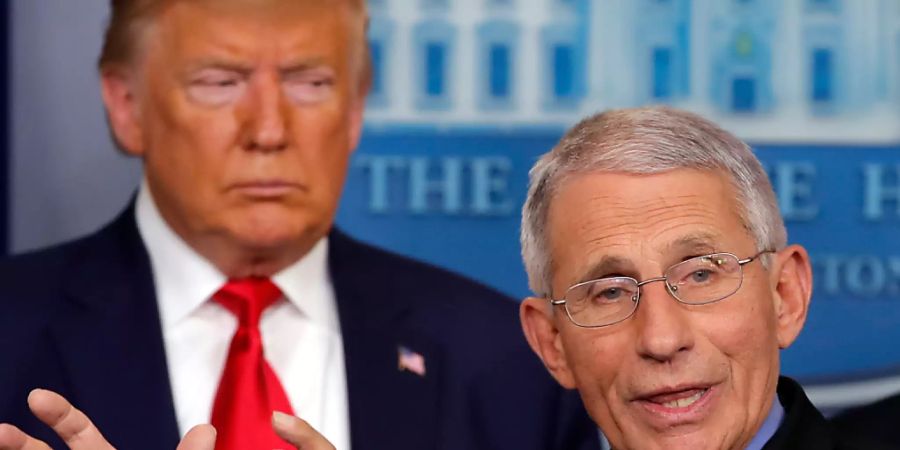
column 700, row 280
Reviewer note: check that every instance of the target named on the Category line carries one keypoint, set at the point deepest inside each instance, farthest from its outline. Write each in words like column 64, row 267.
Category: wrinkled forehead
column 605, row 222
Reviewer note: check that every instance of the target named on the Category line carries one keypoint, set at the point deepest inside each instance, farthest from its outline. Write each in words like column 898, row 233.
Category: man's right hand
column 79, row 433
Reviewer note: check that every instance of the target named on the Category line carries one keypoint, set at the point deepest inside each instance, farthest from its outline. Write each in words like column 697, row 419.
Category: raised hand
column 79, row 433
column 299, row 433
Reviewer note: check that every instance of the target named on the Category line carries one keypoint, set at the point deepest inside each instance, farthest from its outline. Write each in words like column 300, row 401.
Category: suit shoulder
column 31, row 294
column 447, row 303
column 876, row 421
column 396, row 271
column 889, row 405
column 36, row 264
column 37, row 275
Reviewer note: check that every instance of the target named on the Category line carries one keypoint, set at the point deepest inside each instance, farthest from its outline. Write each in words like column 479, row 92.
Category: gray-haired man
column 664, row 286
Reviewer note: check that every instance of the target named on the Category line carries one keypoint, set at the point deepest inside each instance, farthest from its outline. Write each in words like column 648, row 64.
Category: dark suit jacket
column 82, row 319
column 879, row 421
column 804, row 428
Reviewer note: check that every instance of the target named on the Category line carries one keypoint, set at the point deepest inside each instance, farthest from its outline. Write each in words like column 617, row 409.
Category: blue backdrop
column 466, row 99
column 467, row 94
column 454, row 197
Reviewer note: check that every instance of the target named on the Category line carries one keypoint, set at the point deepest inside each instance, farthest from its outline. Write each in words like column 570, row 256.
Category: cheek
column 744, row 333
column 599, row 365
column 595, row 360
column 325, row 120
column 190, row 138
column 321, row 135
column 197, row 158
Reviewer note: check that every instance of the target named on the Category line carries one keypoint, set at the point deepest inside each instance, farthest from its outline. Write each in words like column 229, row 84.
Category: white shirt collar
column 185, row 280
column 307, row 285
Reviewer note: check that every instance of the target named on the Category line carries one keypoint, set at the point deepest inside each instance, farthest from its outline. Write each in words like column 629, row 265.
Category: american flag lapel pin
column 410, row 361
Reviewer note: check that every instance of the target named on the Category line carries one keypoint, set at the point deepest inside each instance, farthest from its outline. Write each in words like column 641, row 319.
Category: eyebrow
column 246, row 69
column 689, row 245
column 608, row 265
column 303, row 65
column 217, row 64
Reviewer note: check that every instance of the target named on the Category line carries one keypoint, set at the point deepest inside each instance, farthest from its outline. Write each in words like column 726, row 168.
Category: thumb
column 299, row 433
column 201, row 437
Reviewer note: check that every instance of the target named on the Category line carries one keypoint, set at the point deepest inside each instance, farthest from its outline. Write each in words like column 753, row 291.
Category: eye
column 610, row 294
column 216, row 87
column 701, row 276
column 309, row 87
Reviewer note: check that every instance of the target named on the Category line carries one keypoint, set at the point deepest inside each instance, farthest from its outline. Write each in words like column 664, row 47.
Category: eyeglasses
column 697, row 281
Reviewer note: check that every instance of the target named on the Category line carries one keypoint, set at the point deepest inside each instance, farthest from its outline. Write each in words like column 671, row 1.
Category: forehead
column 254, row 27
column 660, row 217
column 273, row 8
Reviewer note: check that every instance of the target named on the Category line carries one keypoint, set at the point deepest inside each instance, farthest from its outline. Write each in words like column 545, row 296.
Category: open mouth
column 681, row 399
column 672, row 406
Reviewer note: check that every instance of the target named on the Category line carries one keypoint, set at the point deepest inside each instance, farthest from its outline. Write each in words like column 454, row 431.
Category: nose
column 266, row 124
column 664, row 328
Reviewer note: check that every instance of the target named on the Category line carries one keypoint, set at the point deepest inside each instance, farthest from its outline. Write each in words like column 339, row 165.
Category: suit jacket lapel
column 803, row 426
column 111, row 343
column 389, row 407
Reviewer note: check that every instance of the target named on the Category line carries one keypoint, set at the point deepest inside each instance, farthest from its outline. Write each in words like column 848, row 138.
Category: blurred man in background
column 878, row 420
column 665, row 288
column 223, row 291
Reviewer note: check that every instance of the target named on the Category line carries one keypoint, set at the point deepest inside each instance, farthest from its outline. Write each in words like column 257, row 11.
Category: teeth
column 685, row 402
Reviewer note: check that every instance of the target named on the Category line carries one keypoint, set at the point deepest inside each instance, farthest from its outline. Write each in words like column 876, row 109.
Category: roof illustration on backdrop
column 769, row 70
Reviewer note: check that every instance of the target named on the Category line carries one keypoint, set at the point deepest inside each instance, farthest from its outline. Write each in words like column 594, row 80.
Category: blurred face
column 245, row 114
column 672, row 376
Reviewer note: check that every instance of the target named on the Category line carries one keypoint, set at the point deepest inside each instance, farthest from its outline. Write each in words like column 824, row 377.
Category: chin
column 279, row 236
column 270, row 226
column 694, row 441
column 269, row 238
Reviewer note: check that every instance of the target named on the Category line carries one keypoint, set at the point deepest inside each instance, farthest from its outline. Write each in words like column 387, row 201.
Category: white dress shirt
column 301, row 332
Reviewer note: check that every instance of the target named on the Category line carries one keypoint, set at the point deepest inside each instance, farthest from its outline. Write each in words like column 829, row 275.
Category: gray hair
column 645, row 141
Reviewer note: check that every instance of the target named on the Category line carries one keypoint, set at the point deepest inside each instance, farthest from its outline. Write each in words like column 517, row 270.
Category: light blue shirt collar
column 769, row 427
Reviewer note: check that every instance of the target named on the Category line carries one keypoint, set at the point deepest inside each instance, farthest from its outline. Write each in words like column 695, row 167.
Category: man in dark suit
column 671, row 289
column 223, row 292
column 878, row 420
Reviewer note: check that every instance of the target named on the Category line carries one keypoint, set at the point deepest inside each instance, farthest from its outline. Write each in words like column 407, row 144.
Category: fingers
column 12, row 438
column 201, row 437
column 72, row 426
column 299, row 433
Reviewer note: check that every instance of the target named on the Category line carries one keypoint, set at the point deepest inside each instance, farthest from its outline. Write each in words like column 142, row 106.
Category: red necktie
column 249, row 389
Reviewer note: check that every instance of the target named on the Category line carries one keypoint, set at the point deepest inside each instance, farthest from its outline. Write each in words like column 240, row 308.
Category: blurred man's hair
column 129, row 19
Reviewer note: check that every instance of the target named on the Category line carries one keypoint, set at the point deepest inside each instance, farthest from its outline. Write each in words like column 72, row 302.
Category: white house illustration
column 770, row 70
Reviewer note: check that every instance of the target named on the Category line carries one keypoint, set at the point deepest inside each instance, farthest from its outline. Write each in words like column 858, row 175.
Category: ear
column 122, row 109
column 540, row 329
column 791, row 281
